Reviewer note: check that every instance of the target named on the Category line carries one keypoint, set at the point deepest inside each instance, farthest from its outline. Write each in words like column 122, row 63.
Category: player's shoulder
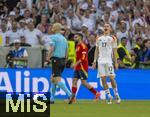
column 83, row 45
column 54, row 36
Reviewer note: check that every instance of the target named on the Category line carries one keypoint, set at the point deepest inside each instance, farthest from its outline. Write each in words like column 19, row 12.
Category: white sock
column 115, row 91
column 108, row 93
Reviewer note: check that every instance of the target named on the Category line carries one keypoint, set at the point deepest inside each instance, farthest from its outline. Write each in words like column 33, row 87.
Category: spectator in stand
column 85, row 33
column 145, row 55
column 88, row 17
column 19, row 55
column 17, row 14
column 106, row 17
column 10, row 19
column 123, row 32
column 14, row 33
column 136, row 51
column 91, row 48
column 114, row 15
column 27, row 15
column 22, row 5
column 73, row 21
column 3, row 33
column 44, row 24
column 63, row 21
column 4, row 11
column 137, row 19
column 101, row 8
column 32, row 35
column 138, row 32
column 55, row 10
column 10, row 4
column 73, row 4
column 46, row 38
column 65, row 5
column 129, row 18
column 125, row 59
column 22, row 25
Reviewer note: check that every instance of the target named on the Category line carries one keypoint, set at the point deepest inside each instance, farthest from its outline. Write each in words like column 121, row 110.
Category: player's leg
column 74, row 88
column 74, row 82
column 57, row 66
column 52, row 90
column 83, row 78
column 113, row 82
column 106, row 89
column 88, row 86
column 103, row 73
column 115, row 89
column 74, row 85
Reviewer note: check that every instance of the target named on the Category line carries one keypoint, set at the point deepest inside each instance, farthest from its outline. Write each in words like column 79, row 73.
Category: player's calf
column 71, row 99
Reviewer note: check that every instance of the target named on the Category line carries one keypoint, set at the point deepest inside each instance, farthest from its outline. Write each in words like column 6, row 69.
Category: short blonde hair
column 57, row 27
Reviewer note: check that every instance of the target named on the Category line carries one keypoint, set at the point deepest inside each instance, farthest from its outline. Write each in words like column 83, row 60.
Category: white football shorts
column 106, row 69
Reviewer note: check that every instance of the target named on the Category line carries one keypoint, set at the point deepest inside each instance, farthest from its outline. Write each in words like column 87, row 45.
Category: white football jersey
column 105, row 45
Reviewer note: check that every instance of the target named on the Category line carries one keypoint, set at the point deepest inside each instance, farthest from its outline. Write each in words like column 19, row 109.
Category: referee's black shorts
column 58, row 65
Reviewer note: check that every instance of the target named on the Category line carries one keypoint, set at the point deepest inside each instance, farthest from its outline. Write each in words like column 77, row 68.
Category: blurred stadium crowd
column 31, row 21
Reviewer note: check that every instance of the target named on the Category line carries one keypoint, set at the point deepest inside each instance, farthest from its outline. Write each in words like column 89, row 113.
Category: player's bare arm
column 49, row 55
column 77, row 63
column 95, row 57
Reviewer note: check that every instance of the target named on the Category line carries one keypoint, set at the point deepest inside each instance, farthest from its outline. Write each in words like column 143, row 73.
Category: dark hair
column 79, row 34
column 123, row 38
column 138, row 38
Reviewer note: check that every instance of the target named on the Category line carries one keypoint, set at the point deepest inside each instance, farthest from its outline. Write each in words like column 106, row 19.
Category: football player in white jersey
column 106, row 56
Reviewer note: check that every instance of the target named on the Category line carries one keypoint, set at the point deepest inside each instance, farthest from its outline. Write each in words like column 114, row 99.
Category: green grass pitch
column 87, row 108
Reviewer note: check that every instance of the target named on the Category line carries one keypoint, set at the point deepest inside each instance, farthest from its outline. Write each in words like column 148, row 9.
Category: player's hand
column 46, row 63
column 73, row 66
column 94, row 65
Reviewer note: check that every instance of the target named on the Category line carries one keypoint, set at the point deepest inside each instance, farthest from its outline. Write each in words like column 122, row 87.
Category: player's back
column 105, row 46
column 82, row 54
column 61, row 45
